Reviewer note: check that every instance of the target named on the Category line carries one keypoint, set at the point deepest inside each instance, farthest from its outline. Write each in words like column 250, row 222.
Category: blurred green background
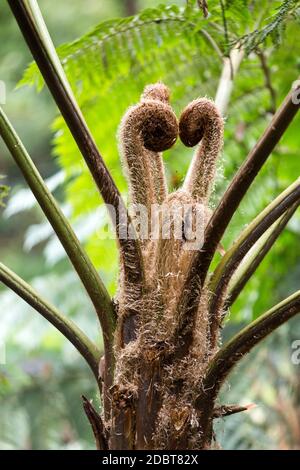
column 43, row 378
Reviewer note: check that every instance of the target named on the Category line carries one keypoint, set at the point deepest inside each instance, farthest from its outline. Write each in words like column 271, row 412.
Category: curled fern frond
column 146, row 130
column 201, row 121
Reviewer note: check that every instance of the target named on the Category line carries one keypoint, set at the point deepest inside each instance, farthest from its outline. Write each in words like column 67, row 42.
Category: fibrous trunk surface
column 162, row 345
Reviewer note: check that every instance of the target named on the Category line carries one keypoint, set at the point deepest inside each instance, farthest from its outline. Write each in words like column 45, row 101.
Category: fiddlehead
column 169, row 342
column 147, row 129
column 201, row 121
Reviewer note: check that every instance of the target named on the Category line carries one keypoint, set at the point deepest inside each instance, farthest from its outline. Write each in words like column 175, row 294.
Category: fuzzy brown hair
column 201, row 121
column 160, row 330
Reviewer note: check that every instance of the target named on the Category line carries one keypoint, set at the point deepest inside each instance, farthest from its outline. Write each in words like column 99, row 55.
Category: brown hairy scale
column 155, row 391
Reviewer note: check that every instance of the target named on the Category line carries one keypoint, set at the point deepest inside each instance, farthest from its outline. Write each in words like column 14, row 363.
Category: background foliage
column 108, row 69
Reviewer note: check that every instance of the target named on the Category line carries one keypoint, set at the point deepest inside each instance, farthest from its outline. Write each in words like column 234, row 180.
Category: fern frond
column 109, row 67
column 276, row 24
column 164, row 43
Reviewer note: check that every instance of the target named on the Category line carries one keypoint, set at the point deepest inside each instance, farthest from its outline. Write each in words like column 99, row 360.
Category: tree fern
column 182, row 48
column 181, row 353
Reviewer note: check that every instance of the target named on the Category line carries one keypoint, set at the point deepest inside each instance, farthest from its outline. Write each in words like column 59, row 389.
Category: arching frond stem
column 234, row 256
column 250, row 264
column 33, row 29
column 67, row 327
column 77, row 255
column 232, row 352
column 241, row 183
